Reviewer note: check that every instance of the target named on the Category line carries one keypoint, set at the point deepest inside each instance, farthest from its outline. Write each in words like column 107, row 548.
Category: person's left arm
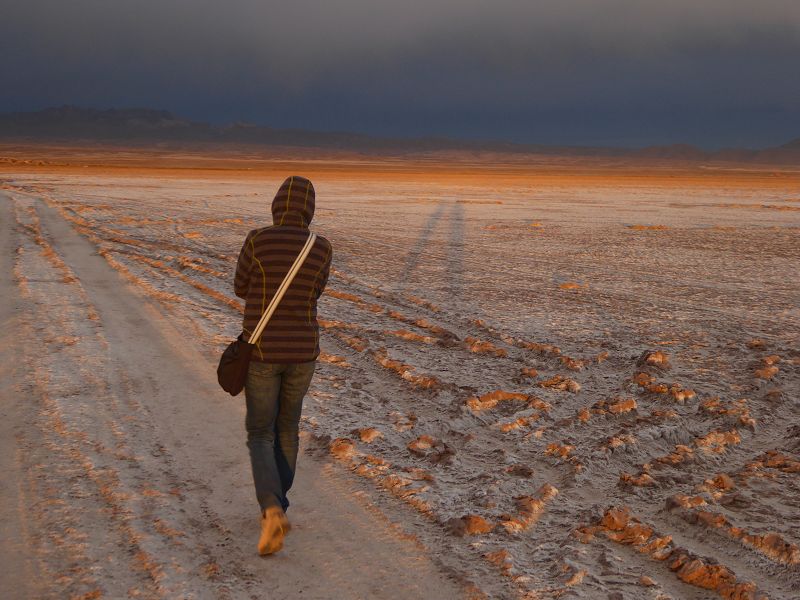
column 241, row 281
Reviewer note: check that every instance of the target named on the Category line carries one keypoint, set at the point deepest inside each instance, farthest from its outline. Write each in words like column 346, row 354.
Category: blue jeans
column 274, row 395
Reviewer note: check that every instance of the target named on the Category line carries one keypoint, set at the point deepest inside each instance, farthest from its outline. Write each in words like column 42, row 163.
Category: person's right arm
column 241, row 281
column 326, row 269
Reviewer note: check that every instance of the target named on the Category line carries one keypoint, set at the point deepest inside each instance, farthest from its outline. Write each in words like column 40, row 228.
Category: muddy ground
column 533, row 384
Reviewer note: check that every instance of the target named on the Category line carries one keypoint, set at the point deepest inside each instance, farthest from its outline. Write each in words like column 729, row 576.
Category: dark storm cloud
column 591, row 71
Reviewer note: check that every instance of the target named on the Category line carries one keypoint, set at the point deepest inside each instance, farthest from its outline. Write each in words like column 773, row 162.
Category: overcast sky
column 611, row 72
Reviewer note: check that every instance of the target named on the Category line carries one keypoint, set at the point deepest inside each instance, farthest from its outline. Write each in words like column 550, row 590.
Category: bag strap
column 273, row 304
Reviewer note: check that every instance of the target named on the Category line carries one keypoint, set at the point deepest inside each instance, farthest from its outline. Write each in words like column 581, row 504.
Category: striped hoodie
column 292, row 335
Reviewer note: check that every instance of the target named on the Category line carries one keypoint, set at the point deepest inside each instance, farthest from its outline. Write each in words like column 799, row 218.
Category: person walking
column 284, row 358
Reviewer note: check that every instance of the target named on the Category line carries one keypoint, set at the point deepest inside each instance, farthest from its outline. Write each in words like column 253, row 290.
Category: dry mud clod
column 530, row 509
column 561, row 383
column 368, row 434
column 493, row 399
column 654, row 358
column 621, row 527
column 429, row 447
column 469, row 525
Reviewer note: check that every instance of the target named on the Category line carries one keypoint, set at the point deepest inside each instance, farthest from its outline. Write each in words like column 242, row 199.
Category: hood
column 294, row 203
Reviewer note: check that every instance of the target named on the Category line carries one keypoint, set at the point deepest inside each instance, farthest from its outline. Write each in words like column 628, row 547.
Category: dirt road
column 124, row 466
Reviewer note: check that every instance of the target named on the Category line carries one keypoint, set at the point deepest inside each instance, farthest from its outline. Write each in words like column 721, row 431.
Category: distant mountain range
column 139, row 126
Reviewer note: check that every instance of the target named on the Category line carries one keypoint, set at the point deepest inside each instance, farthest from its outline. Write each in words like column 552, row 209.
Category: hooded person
column 284, row 358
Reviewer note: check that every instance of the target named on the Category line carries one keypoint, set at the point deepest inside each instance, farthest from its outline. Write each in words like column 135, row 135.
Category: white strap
column 298, row 262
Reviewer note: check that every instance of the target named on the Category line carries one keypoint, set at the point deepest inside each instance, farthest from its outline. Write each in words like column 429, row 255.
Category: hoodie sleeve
column 241, row 281
column 326, row 270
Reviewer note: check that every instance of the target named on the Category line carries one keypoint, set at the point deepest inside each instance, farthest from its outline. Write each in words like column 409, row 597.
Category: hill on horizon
column 146, row 125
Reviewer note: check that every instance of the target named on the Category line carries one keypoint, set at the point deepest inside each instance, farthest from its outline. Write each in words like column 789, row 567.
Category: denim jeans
column 274, row 395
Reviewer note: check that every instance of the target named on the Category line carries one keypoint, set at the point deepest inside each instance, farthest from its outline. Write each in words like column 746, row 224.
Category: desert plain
column 540, row 378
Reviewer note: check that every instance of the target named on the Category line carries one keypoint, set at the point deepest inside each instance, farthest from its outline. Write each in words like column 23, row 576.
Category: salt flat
column 551, row 382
